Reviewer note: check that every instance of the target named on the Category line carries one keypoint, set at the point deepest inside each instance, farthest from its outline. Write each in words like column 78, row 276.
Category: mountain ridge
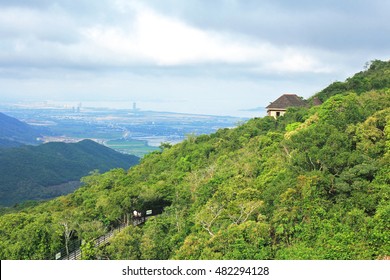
column 14, row 131
column 311, row 184
column 27, row 172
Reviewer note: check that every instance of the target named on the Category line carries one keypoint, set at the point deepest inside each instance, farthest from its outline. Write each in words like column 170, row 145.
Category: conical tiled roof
column 287, row 100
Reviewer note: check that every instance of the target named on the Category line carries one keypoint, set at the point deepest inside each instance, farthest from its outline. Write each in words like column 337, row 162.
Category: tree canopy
column 312, row 184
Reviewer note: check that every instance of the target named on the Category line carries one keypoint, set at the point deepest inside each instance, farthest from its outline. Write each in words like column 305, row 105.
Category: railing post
column 76, row 245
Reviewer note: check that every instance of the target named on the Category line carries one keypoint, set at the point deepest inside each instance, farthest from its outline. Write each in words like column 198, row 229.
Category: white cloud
column 127, row 33
column 170, row 42
column 139, row 35
column 45, row 25
column 173, row 50
column 293, row 61
column 164, row 41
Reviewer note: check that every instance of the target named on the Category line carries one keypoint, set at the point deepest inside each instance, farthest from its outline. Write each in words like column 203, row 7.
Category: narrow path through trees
column 75, row 252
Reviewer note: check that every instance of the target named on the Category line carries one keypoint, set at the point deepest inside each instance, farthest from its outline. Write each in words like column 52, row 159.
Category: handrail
column 75, row 252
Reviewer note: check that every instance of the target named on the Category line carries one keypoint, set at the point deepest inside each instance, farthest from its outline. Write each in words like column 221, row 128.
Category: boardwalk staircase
column 74, row 248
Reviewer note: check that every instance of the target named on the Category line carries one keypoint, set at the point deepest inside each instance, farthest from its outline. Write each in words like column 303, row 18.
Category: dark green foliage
column 30, row 172
column 376, row 77
column 313, row 184
column 13, row 131
column 5, row 143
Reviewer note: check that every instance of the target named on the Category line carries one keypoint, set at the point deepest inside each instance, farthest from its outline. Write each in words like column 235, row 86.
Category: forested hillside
column 376, row 77
column 312, row 184
column 52, row 169
column 14, row 132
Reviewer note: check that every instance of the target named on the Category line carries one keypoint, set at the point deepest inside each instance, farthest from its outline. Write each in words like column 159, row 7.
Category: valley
column 129, row 131
column 311, row 184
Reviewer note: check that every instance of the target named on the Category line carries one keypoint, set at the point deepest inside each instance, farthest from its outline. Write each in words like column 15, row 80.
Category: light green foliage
column 313, row 184
column 125, row 245
column 28, row 236
column 376, row 77
column 88, row 250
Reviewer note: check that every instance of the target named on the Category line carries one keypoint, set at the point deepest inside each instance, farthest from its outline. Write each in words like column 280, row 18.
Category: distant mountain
column 311, row 184
column 5, row 143
column 53, row 169
column 13, row 131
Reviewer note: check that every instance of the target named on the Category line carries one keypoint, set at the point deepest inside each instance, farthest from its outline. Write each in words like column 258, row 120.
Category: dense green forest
column 312, row 184
column 14, row 132
column 53, row 169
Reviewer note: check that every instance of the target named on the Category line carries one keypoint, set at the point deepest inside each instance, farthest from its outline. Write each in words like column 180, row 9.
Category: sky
column 219, row 57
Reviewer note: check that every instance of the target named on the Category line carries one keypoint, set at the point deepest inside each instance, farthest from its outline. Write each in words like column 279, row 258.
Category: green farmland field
column 134, row 147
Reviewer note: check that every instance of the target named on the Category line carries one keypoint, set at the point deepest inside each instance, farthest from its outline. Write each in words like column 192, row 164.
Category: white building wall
column 276, row 113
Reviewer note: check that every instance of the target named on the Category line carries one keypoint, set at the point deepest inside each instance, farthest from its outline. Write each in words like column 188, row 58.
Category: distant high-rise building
column 135, row 109
column 79, row 107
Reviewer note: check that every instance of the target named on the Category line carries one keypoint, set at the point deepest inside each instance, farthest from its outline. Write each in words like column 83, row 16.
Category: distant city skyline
column 73, row 106
column 221, row 57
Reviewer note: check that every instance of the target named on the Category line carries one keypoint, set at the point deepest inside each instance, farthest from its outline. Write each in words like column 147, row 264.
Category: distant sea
column 202, row 108
column 175, row 107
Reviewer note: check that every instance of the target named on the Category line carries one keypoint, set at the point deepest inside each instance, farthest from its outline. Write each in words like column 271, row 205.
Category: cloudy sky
column 200, row 56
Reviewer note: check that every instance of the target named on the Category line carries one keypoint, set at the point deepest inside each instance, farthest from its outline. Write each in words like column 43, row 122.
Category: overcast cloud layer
column 213, row 57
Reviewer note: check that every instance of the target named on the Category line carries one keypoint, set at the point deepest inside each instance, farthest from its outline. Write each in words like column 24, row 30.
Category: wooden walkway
column 75, row 254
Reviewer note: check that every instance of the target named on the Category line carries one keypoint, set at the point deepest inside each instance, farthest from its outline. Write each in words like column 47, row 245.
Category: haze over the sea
column 210, row 57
